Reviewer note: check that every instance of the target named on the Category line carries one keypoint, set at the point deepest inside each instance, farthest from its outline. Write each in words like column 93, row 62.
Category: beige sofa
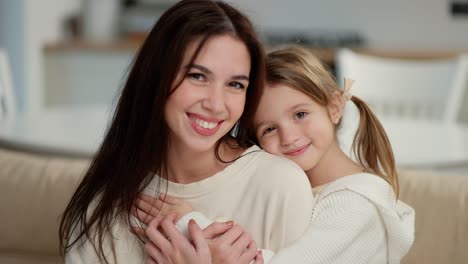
column 34, row 190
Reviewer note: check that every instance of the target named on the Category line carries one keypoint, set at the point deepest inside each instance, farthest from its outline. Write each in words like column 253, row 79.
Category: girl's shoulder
column 370, row 186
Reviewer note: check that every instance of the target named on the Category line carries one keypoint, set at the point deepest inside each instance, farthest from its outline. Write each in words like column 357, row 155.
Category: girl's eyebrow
column 259, row 125
column 294, row 107
column 208, row 72
column 290, row 109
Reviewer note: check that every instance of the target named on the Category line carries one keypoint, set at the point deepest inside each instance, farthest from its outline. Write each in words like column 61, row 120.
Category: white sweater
column 356, row 219
column 260, row 191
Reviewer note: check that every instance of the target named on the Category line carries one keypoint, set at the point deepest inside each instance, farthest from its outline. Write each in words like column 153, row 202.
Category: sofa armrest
column 441, row 205
column 34, row 191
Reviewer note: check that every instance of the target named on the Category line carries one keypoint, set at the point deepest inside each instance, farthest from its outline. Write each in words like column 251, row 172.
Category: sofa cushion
column 34, row 191
column 441, row 205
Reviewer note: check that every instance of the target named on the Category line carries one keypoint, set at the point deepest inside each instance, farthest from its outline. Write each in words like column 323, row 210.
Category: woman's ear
column 335, row 107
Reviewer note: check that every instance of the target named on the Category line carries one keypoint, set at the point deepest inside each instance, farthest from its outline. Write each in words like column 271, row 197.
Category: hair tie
column 346, row 89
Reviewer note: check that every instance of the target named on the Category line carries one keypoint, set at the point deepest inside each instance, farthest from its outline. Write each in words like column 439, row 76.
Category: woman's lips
column 203, row 125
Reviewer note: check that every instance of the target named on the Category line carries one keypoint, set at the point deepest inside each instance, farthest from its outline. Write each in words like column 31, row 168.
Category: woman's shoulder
column 265, row 160
column 274, row 170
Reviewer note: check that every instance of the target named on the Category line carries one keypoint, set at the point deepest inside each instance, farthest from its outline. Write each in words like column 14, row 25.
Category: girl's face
column 292, row 125
column 211, row 96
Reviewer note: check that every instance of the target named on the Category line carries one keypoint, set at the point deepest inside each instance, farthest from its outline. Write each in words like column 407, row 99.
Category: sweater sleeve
column 200, row 219
column 345, row 228
column 120, row 247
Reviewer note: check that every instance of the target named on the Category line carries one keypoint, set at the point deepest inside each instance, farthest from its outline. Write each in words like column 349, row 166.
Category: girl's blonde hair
column 297, row 67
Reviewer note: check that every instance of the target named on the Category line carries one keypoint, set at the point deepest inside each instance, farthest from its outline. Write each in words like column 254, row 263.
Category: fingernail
column 229, row 223
column 191, row 222
column 260, row 253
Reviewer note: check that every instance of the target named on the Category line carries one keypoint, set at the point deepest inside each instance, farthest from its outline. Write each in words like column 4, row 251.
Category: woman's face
column 211, row 96
column 292, row 125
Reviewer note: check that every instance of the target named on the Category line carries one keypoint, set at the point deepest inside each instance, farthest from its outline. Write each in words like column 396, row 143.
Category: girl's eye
column 300, row 115
column 268, row 130
column 196, row 76
column 237, row 85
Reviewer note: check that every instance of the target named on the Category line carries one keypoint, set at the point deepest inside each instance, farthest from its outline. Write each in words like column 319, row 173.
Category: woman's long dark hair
column 136, row 144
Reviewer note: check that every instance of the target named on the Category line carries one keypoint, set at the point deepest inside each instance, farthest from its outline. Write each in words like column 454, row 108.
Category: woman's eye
column 237, row 85
column 300, row 115
column 196, row 76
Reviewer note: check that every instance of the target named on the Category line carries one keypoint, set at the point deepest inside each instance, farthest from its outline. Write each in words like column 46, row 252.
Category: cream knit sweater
column 258, row 191
column 355, row 219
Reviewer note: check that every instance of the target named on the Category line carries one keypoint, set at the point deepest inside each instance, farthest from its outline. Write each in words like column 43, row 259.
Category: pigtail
column 371, row 146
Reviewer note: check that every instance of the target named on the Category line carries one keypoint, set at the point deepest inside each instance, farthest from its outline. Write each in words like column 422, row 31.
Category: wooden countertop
column 327, row 55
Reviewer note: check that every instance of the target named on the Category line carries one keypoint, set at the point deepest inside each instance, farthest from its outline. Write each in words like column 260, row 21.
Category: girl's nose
column 288, row 136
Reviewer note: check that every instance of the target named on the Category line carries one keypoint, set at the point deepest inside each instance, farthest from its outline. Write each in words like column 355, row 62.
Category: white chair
column 7, row 98
column 403, row 88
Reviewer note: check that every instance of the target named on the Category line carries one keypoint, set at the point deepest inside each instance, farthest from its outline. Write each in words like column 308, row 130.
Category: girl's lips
column 297, row 151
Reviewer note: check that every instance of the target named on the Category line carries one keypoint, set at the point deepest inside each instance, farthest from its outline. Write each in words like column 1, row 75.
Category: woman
column 197, row 75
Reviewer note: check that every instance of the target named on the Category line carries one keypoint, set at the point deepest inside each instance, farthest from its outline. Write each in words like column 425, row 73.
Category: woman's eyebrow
column 208, row 72
column 199, row 67
column 240, row 77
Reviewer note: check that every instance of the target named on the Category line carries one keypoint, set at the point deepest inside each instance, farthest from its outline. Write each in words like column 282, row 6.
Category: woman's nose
column 214, row 99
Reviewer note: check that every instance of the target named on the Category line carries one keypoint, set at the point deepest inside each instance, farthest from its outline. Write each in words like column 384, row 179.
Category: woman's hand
column 147, row 207
column 233, row 245
column 167, row 245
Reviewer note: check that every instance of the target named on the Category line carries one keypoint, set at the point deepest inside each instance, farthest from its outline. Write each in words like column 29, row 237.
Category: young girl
column 356, row 215
column 199, row 72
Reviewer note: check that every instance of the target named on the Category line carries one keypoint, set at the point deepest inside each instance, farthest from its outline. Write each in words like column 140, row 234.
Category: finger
column 169, row 199
column 259, row 258
column 230, row 236
column 152, row 208
column 148, row 198
column 158, row 239
column 217, row 228
column 174, row 235
column 150, row 260
column 241, row 244
column 249, row 253
column 141, row 215
column 140, row 232
column 155, row 253
column 196, row 234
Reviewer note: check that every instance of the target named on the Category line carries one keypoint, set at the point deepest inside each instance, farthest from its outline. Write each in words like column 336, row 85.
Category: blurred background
column 76, row 51
column 63, row 63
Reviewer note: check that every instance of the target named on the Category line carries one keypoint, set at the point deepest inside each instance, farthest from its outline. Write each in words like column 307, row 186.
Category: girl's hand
column 147, row 207
column 231, row 246
column 167, row 245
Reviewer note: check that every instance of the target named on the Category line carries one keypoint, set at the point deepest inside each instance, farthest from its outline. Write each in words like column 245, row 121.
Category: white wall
column 25, row 26
column 12, row 40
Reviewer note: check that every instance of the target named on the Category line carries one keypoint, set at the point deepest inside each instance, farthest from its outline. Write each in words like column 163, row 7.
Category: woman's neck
column 185, row 167
column 333, row 165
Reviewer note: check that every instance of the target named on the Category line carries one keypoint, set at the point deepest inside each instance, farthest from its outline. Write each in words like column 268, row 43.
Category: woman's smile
column 204, row 126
